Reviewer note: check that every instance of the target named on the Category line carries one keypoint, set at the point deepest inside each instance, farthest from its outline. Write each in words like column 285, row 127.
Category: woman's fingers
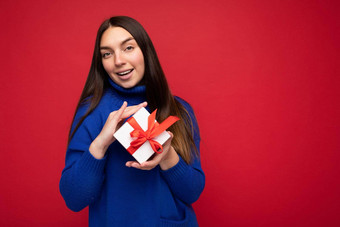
column 121, row 110
column 152, row 163
column 143, row 104
column 142, row 166
column 171, row 135
column 148, row 165
column 132, row 109
column 126, row 111
column 114, row 121
column 133, row 164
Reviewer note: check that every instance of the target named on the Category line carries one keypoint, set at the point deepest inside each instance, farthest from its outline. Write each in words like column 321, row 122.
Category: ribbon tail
column 151, row 119
column 164, row 125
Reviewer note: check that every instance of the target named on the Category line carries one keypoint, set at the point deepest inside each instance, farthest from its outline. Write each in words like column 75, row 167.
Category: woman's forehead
column 115, row 36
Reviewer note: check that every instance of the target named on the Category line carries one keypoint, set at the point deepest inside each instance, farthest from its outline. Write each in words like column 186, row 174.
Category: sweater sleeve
column 83, row 175
column 187, row 181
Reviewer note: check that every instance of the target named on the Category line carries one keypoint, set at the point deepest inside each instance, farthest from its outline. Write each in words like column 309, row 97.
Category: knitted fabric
column 122, row 196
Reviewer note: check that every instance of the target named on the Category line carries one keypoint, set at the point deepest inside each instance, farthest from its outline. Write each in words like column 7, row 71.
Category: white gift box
column 144, row 152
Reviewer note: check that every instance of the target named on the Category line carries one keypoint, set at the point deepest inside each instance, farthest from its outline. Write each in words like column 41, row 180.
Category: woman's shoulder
column 191, row 116
column 185, row 104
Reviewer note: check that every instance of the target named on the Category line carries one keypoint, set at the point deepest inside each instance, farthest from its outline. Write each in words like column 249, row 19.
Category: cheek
column 140, row 61
column 107, row 66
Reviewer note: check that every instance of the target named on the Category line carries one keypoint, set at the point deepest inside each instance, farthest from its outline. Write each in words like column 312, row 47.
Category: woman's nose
column 119, row 59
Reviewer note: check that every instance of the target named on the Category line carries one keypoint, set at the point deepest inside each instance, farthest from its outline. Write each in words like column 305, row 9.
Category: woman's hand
column 167, row 159
column 105, row 138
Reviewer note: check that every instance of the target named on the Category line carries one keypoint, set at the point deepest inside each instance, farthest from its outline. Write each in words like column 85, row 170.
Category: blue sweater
column 122, row 196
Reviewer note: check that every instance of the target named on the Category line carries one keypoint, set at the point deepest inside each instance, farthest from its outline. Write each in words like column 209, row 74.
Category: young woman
column 126, row 75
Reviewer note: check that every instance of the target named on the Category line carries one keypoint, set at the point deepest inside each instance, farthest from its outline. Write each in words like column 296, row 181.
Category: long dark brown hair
column 158, row 94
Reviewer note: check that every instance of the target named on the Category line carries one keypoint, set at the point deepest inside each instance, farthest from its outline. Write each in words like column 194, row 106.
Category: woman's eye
column 129, row 48
column 105, row 55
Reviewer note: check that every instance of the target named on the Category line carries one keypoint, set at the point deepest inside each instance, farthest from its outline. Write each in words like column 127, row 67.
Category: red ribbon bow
column 154, row 129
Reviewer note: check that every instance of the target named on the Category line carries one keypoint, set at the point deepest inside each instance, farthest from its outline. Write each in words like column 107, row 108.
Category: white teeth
column 124, row 73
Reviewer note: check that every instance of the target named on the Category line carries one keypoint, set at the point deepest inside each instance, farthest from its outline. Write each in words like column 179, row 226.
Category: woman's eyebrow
column 127, row 40
column 124, row 41
column 105, row 48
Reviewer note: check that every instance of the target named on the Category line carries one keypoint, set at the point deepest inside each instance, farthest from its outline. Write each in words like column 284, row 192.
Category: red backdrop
column 262, row 76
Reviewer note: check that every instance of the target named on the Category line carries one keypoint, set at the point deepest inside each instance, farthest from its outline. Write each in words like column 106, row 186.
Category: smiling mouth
column 124, row 73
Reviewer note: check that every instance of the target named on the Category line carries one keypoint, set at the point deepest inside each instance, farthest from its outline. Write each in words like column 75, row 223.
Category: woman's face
column 121, row 57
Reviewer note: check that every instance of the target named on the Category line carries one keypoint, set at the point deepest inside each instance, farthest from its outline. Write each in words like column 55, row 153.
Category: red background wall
column 262, row 76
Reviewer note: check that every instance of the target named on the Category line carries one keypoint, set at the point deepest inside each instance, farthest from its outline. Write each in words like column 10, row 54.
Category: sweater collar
column 136, row 90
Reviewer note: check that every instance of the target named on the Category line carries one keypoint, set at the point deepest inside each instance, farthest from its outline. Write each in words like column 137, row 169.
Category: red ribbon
column 154, row 129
